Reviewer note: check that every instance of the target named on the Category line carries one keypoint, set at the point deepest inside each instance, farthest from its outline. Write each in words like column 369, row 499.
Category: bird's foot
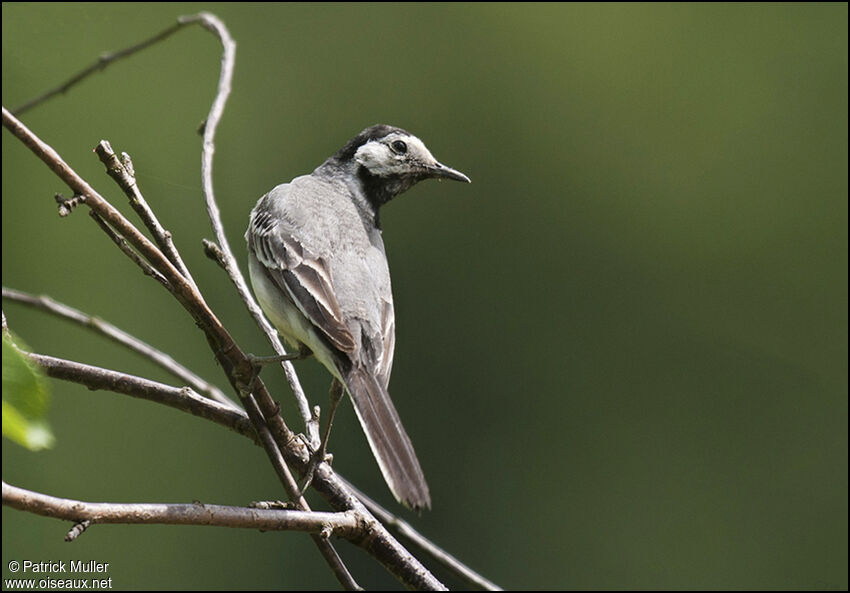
column 316, row 459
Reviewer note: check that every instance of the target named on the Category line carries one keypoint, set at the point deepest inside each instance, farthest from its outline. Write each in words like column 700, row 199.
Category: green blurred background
column 622, row 351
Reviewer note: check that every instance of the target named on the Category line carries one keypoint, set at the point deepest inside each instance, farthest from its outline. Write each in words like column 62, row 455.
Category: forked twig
column 121, row 170
column 124, row 246
column 425, row 545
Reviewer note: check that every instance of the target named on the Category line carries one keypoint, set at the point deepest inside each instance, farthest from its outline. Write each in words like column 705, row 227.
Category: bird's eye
column 399, row 147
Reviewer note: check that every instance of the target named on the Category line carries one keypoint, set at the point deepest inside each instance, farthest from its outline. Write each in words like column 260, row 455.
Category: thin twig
column 327, row 550
column 180, row 398
column 124, row 246
column 214, row 25
column 377, row 541
column 341, row 524
column 104, row 328
column 102, row 62
column 228, row 264
column 124, row 175
column 403, row 528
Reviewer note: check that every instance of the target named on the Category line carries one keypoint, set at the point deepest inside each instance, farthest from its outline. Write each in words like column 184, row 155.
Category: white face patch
column 381, row 160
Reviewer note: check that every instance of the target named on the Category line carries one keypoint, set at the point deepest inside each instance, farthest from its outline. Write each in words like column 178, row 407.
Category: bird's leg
column 261, row 361
column 337, row 391
column 258, row 362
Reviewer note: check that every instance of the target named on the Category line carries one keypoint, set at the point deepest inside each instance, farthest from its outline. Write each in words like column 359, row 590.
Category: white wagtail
column 319, row 270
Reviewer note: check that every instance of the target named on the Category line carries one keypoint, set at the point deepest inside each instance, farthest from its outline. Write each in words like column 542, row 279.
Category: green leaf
column 25, row 400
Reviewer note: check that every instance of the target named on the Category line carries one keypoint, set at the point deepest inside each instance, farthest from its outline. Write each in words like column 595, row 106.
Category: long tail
column 389, row 442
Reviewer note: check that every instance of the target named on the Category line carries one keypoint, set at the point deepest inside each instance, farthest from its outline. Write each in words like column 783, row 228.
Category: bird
column 319, row 269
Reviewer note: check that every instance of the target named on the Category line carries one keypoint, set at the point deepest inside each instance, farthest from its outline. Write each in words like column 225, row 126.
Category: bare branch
column 187, row 401
column 102, row 62
column 229, row 265
column 104, row 328
column 213, row 24
column 180, row 398
column 425, row 545
column 124, row 175
column 225, row 253
column 234, row 362
column 123, row 245
column 379, row 543
column 342, row 524
column 375, row 539
column 294, row 492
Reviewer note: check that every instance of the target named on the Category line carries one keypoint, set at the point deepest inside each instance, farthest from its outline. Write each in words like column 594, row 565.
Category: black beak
column 441, row 171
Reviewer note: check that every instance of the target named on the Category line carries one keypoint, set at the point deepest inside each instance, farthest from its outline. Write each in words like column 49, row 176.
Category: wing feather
column 305, row 279
column 385, row 363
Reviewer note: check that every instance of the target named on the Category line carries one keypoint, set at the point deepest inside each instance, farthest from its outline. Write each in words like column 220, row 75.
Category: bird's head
column 389, row 160
column 392, row 152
